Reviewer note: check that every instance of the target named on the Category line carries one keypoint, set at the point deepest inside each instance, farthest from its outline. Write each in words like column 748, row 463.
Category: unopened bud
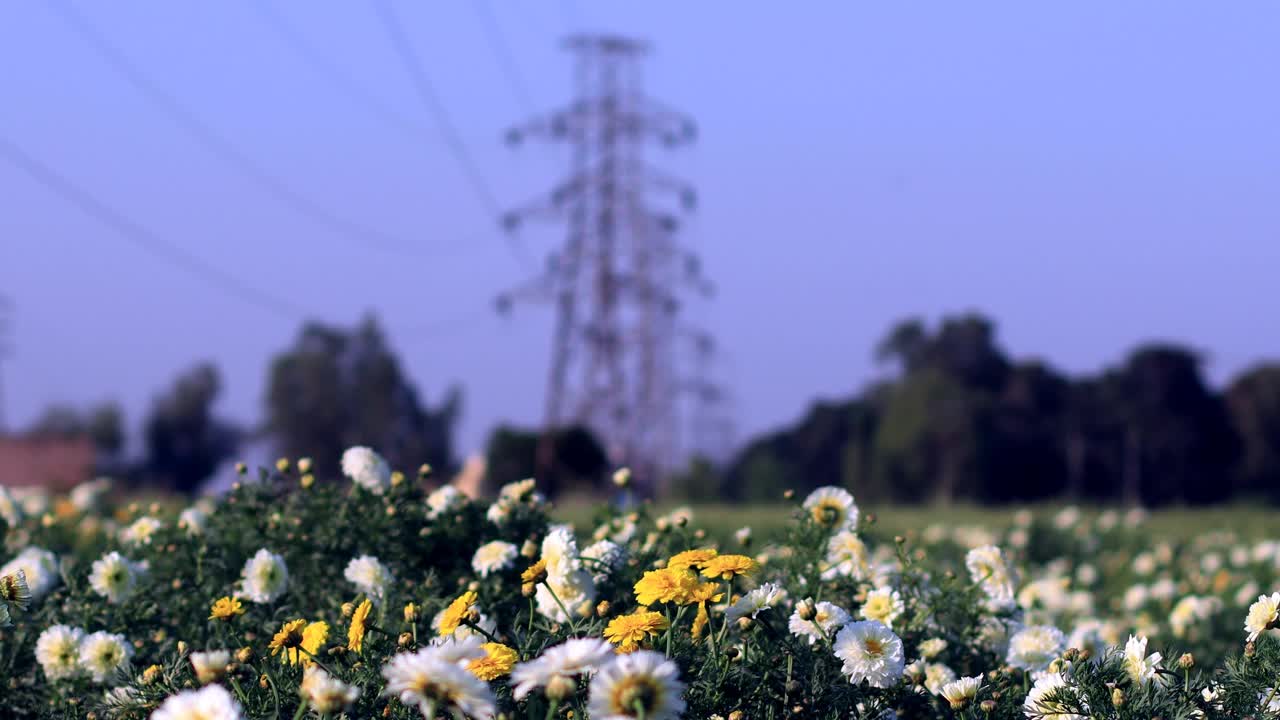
column 282, row 464
column 348, row 609
column 410, row 613
column 602, row 608
column 307, row 480
column 529, row 549
column 788, row 494
column 622, row 477
column 263, row 682
column 244, row 654
column 397, row 478
column 404, row 640
column 304, row 465
column 987, row 706
column 805, row 609
column 1117, row 697
column 151, row 674
column 424, row 471
column 527, row 589
column 182, row 647
column 241, row 468
column 1186, row 661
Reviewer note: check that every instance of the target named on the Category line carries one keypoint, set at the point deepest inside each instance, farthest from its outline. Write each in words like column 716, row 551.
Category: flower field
column 380, row 595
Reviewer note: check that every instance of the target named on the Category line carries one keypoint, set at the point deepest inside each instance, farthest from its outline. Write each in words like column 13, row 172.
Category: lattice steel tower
column 617, row 282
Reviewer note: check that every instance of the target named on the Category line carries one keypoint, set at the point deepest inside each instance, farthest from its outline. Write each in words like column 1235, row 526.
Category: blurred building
column 54, row 463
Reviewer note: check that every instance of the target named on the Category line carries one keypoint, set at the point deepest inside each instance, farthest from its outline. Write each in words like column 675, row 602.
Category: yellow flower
column 726, row 566
column 628, row 631
column 359, row 623
column 700, row 621
column 497, row 661
column 299, row 641
column 669, row 585
column 535, row 573
column 456, row 612
column 226, row 609
column 410, row 612
column 691, row 558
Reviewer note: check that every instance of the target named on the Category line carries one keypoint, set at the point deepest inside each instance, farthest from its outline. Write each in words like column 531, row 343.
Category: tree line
column 959, row 419
column 955, row 418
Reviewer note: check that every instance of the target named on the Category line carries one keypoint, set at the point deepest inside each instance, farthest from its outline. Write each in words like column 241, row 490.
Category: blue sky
column 1091, row 174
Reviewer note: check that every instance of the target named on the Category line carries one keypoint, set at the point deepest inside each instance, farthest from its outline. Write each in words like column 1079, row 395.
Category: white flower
column 961, row 692
column 1140, row 666
column 1190, row 610
column 828, row 616
column 87, row 496
column 931, row 648
column 458, row 648
column 560, row 550
column 115, row 577
column 193, row 520
column 10, row 510
column 607, row 554
column 140, row 531
column 102, row 653
column 1033, row 648
column 742, row 535
column 1087, row 635
column 443, row 499
column 326, row 694
column 264, row 577
column 429, row 681
column 644, row 678
column 883, row 604
column 833, row 508
column 39, row 565
column 870, row 651
column 499, row 512
column 558, row 667
column 1262, row 615
column 58, row 651
column 936, row 675
column 370, row 576
column 1038, row 706
column 211, row 702
column 517, row 491
column 766, row 596
column 493, row 557
column 118, row 702
column 1269, row 700
column 846, row 557
column 576, row 591
column 988, row 569
column 210, row 666
column 367, row 469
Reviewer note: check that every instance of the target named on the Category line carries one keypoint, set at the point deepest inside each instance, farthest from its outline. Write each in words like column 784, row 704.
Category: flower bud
column 397, row 478
column 602, row 608
column 241, row 468
column 622, row 477
column 348, row 609
column 307, row 480
column 410, row 613
column 304, row 465
column 424, row 471
column 151, row 674
column 788, row 494
column 1186, row 661
column 182, row 647
column 244, row 654
column 988, row 706
column 404, row 640
column 1117, row 697
column 529, row 549
column 282, row 464
column 805, row 609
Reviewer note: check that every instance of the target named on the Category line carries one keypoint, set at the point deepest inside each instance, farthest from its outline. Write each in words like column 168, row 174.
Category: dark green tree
column 579, row 463
column 1253, row 400
column 185, row 442
column 336, row 388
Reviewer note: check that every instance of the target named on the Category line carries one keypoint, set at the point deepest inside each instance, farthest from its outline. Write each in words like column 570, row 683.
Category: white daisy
column 211, row 702
column 193, row 520
column 1263, row 615
column 443, row 499
column 827, row 616
column 210, row 666
column 58, row 651
column 458, row 648
column 870, row 651
column 988, row 569
column 936, row 675
column 140, row 531
column 87, row 496
column 961, row 692
column 558, row 667
column 430, row 682
column 832, row 508
column 576, row 591
column 264, row 577
column 115, row 577
column 493, row 557
column 847, row 556
column 767, row 596
column 370, row 576
column 883, row 604
column 639, row 684
column 367, row 469
column 932, row 648
column 1038, row 705
column 326, row 694
column 1033, row 648
column 1140, row 666
column 40, row 568
column 102, row 653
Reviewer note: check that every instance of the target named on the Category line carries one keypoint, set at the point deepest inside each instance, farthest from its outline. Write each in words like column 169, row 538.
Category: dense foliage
column 377, row 598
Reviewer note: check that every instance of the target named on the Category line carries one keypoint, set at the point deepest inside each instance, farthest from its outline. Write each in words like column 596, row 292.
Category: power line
column 426, row 92
column 217, row 144
column 498, row 43
column 332, row 71
column 144, row 238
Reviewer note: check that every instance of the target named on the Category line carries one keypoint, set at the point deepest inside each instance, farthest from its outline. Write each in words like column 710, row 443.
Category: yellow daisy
column 535, row 573
column 456, row 612
column 359, row 624
column 299, row 641
column 667, row 585
column 727, row 566
column 226, row 609
column 497, row 661
column 628, row 631
column 691, row 558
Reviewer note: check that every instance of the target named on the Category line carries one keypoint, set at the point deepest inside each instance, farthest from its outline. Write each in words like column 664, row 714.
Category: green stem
column 489, row 636
column 551, row 711
column 573, row 626
column 302, row 709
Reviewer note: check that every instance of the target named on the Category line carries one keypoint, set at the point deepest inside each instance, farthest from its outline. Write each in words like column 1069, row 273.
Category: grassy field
column 766, row 521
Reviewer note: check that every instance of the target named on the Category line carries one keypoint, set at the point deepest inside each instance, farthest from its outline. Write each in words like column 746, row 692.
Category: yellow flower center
column 631, row 692
column 873, row 646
